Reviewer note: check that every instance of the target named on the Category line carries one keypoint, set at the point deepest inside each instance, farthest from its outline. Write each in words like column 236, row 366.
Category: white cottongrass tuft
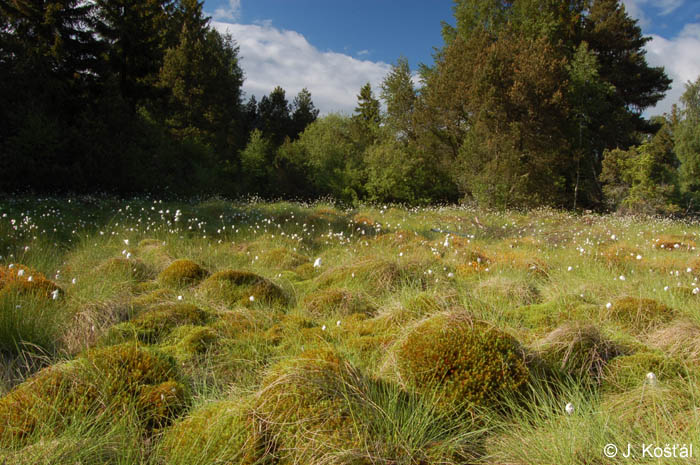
column 317, row 262
column 569, row 408
column 251, row 298
column 54, row 294
column 651, row 378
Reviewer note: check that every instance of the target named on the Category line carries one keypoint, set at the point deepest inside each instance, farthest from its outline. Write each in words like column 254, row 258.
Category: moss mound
column 106, row 383
column 336, row 301
column 300, row 399
column 213, row 433
column 376, row 275
column 182, row 273
column 132, row 269
column 508, row 290
column 22, row 280
column 630, row 371
column 186, row 342
column 579, row 350
column 464, row 359
column 283, row 258
column 235, row 287
column 52, row 393
column 153, row 324
column 127, row 375
column 548, row 315
column 640, row 314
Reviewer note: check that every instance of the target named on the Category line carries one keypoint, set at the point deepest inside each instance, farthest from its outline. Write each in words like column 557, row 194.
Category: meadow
column 215, row 332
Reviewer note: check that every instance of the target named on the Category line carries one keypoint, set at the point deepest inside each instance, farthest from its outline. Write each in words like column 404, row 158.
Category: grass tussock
column 286, row 333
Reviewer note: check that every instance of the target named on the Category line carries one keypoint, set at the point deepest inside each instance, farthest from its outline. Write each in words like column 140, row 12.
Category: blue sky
column 333, row 47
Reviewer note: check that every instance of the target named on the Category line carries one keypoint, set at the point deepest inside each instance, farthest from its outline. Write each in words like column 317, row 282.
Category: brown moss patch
column 105, row 383
column 619, row 255
column 672, row 243
column 22, row 280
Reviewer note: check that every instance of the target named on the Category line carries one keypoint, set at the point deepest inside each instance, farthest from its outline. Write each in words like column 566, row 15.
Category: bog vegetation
column 150, row 332
column 527, row 103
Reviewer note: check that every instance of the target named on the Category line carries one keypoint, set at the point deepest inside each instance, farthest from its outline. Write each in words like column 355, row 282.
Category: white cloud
column 680, row 58
column 231, row 13
column 363, row 52
column 636, row 8
column 271, row 57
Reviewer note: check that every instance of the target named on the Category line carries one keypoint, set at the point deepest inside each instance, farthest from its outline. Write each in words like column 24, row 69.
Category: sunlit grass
column 355, row 281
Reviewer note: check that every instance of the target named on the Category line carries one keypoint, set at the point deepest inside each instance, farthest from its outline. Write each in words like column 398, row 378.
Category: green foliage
column 400, row 97
column 643, row 179
column 687, row 140
column 334, row 156
column 517, row 99
column 256, row 160
column 303, row 112
column 182, row 273
column 465, row 360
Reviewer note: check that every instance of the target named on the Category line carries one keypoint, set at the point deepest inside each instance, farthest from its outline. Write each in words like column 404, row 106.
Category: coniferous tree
column 204, row 78
column 505, row 98
column 275, row 120
column 367, row 110
column 400, row 97
column 303, row 113
column 136, row 33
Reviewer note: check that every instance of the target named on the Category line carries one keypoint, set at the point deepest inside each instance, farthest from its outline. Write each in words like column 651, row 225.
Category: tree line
column 128, row 96
column 527, row 102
